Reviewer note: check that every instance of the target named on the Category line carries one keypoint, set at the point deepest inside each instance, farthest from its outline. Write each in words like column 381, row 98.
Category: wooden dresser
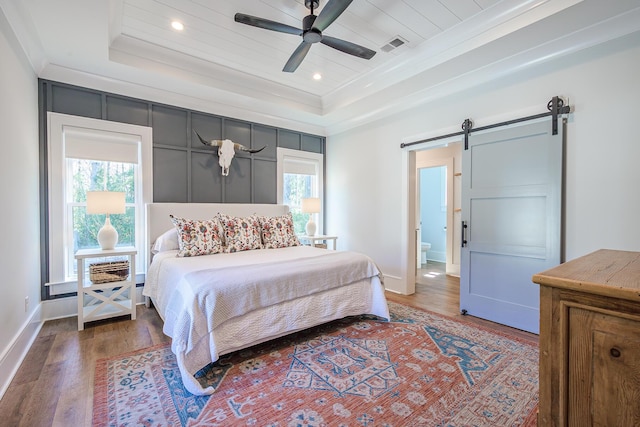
column 590, row 341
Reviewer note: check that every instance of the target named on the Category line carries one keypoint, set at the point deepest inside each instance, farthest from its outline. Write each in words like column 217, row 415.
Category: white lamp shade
column 105, row 202
column 311, row 205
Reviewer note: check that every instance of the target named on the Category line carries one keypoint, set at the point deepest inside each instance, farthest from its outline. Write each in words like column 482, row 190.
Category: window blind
column 97, row 145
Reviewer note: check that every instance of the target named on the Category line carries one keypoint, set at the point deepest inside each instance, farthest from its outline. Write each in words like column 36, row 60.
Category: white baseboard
column 437, row 256
column 395, row 284
column 10, row 362
column 18, row 349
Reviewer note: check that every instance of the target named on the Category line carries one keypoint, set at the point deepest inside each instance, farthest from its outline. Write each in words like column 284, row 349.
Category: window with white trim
column 93, row 155
column 300, row 175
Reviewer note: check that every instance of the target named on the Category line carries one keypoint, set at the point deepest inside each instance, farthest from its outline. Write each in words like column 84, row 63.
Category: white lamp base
column 107, row 236
column 310, row 228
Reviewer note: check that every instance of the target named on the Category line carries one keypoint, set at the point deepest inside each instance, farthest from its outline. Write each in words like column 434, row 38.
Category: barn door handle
column 464, row 234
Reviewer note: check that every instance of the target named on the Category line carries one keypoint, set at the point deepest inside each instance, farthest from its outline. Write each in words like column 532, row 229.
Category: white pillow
column 168, row 241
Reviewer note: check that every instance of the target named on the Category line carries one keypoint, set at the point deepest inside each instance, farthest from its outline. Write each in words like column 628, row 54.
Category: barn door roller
column 556, row 108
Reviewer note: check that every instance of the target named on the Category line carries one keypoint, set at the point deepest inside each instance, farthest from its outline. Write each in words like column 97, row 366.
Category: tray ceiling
column 216, row 60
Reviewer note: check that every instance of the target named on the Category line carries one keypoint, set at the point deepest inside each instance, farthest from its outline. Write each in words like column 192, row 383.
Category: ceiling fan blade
column 267, row 24
column 330, row 13
column 348, row 47
column 297, row 57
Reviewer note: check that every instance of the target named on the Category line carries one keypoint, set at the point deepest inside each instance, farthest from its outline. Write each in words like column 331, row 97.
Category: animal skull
column 226, row 151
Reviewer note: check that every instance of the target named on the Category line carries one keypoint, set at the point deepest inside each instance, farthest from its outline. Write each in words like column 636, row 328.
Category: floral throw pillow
column 198, row 237
column 277, row 232
column 241, row 233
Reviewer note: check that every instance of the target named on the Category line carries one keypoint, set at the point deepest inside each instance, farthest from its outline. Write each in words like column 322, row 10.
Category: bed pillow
column 277, row 232
column 168, row 241
column 198, row 237
column 241, row 233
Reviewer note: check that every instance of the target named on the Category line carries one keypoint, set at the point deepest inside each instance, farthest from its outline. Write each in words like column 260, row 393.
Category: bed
column 215, row 304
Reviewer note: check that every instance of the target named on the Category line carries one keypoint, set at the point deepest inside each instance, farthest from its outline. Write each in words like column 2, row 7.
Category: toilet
column 424, row 248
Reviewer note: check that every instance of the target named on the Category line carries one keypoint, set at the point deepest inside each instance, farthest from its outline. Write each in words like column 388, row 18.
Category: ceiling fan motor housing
column 310, row 34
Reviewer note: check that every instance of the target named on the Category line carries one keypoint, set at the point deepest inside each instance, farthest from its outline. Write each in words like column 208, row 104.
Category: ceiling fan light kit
column 311, row 32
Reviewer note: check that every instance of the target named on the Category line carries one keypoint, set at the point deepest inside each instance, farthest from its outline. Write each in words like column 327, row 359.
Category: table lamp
column 311, row 206
column 106, row 202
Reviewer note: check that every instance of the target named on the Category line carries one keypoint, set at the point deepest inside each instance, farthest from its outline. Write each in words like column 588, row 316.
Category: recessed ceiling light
column 177, row 25
column 317, row 76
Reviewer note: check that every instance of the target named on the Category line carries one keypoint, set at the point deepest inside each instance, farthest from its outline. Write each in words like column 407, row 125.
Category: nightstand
column 109, row 299
column 319, row 238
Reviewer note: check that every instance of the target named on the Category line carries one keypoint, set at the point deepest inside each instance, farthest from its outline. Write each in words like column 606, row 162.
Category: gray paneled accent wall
column 185, row 170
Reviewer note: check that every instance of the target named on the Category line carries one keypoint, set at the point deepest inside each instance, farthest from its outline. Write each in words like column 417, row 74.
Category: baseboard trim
column 18, row 349
column 47, row 310
column 395, row 284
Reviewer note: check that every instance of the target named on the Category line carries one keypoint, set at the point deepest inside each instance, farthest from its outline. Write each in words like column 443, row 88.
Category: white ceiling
column 212, row 34
column 234, row 68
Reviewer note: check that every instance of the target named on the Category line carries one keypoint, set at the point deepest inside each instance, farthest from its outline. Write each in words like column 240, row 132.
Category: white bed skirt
column 290, row 316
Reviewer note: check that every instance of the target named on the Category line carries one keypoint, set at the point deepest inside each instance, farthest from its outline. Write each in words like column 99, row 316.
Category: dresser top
column 603, row 272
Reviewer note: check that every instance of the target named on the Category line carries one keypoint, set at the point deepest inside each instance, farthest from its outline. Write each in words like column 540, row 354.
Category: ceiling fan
column 311, row 32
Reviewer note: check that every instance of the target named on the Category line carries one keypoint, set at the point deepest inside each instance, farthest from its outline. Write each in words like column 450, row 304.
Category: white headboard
column 158, row 220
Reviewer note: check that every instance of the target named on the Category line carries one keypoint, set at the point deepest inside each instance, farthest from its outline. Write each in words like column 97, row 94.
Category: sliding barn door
column 511, row 213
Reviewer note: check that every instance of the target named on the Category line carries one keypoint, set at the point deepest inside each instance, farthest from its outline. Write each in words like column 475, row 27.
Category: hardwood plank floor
column 54, row 385
column 440, row 293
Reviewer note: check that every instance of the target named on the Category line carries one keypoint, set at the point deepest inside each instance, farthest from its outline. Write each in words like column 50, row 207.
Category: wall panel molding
column 180, row 164
column 184, row 170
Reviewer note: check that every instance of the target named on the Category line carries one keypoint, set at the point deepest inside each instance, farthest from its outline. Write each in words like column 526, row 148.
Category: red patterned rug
column 420, row 369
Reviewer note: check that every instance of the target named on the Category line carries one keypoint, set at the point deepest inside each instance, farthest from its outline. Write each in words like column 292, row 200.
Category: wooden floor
column 54, row 385
column 440, row 293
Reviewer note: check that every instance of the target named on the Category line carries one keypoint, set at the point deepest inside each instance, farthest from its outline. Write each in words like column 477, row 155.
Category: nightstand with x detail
column 99, row 299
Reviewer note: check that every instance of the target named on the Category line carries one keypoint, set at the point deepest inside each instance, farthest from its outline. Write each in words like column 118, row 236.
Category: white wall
column 366, row 182
column 19, row 216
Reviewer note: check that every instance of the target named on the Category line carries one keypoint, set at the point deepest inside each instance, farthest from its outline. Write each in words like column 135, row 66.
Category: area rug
column 419, row 369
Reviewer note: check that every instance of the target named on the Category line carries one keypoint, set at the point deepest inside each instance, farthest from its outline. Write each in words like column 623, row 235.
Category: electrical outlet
column 26, row 303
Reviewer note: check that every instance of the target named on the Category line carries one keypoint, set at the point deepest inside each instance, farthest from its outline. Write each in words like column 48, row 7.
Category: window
column 86, row 155
column 97, row 175
column 300, row 175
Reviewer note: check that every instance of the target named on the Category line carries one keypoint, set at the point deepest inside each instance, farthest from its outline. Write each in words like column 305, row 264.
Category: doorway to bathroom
column 436, row 205
column 432, row 230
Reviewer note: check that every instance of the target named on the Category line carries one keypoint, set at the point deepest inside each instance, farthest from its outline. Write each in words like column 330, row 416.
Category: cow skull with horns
column 226, row 151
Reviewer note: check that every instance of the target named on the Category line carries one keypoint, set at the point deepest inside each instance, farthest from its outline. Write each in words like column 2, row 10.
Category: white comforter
column 216, row 304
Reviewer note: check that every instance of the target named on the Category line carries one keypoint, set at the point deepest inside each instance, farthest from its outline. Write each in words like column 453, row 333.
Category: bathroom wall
column 433, row 210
